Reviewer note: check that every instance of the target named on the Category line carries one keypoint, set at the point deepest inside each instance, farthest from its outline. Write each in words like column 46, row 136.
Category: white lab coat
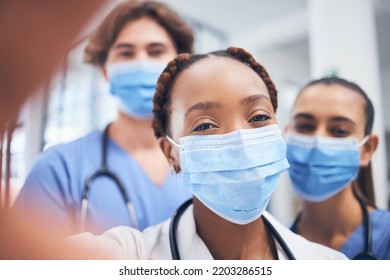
column 153, row 242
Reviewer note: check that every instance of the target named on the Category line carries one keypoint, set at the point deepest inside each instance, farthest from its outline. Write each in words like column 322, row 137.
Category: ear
column 170, row 152
column 368, row 149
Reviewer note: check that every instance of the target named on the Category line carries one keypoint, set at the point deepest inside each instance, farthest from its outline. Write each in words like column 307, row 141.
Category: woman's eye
column 339, row 132
column 259, row 118
column 156, row 52
column 304, row 128
column 204, row 126
column 126, row 54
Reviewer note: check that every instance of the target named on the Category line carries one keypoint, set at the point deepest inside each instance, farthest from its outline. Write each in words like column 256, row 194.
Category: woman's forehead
column 331, row 100
column 215, row 74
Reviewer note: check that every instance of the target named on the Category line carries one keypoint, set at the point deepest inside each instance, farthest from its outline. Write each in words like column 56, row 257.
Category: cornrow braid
column 247, row 58
column 161, row 97
column 161, row 100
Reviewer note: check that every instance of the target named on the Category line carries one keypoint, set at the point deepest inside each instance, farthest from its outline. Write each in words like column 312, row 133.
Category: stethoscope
column 104, row 171
column 367, row 254
column 175, row 223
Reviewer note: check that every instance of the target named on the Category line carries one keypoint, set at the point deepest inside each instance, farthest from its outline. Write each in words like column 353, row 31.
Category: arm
column 29, row 32
column 120, row 243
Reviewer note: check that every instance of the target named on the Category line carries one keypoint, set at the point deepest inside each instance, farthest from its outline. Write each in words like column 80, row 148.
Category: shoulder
column 77, row 146
column 85, row 141
column 381, row 214
column 58, row 160
column 302, row 248
column 380, row 220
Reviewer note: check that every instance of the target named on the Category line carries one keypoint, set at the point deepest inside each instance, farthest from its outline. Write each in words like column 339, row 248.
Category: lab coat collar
column 192, row 247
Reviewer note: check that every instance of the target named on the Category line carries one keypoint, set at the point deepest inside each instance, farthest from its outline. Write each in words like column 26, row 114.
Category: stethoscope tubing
column 104, row 171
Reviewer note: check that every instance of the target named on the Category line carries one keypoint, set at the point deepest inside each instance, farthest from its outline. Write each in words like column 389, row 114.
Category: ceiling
column 231, row 16
column 242, row 21
column 239, row 19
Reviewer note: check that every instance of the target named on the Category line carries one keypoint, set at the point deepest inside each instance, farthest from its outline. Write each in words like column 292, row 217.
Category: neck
column 332, row 221
column 228, row 241
column 132, row 134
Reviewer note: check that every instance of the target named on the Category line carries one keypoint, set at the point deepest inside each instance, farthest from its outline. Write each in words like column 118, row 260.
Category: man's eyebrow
column 156, row 44
column 253, row 98
column 332, row 119
column 303, row 116
column 342, row 119
column 123, row 46
column 203, row 106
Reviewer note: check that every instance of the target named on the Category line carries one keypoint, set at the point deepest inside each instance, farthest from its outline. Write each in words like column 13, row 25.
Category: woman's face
column 142, row 39
column 333, row 111
column 329, row 111
column 217, row 95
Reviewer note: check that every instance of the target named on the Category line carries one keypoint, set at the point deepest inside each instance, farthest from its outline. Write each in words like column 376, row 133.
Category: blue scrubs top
column 380, row 231
column 380, row 236
column 54, row 187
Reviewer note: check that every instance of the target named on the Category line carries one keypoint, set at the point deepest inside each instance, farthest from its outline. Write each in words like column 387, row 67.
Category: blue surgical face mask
column 320, row 166
column 233, row 174
column 133, row 85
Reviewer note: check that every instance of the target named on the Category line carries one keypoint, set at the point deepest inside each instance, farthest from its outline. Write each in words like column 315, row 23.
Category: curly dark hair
column 161, row 100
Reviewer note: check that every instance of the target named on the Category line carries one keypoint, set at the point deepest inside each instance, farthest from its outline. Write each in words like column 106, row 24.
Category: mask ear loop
column 363, row 141
column 173, row 169
column 171, row 141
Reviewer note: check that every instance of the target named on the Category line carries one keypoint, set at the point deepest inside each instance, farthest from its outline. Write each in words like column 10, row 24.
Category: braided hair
column 161, row 100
